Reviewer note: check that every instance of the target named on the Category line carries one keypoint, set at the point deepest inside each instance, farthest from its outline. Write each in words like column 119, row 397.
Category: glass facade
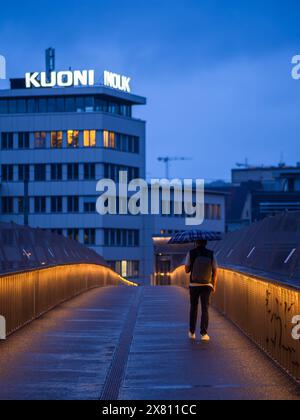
column 56, row 104
column 71, row 139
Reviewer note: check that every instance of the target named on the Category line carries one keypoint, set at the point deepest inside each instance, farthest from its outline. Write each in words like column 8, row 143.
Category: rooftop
column 71, row 91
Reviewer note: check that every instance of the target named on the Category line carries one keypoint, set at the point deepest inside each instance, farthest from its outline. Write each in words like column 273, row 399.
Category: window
column 32, row 106
column 112, row 172
column 24, row 172
column 127, row 269
column 40, row 172
column 7, row 205
column 56, row 204
column 73, row 204
column 20, row 205
column 53, row 104
column 40, row 139
column 79, row 104
column 73, row 171
column 89, row 171
column 40, row 204
column 109, row 139
column 7, row 141
column 56, row 139
column 73, row 138
column 89, row 103
column 121, row 237
column 213, row 211
column 42, row 105
column 7, row 173
column 56, row 172
column 216, row 212
column 89, row 207
column 70, row 104
column 89, row 236
column 21, row 106
column 23, row 140
column 89, row 138
column 3, row 106
column 121, row 142
column 73, row 234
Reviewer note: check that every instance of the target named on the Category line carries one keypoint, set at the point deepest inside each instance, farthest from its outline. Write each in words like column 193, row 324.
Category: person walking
column 201, row 264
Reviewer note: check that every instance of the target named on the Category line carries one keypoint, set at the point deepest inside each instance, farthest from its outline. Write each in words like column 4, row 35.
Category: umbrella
column 195, row 235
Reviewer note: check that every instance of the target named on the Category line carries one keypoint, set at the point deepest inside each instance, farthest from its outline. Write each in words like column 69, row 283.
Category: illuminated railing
column 262, row 309
column 26, row 296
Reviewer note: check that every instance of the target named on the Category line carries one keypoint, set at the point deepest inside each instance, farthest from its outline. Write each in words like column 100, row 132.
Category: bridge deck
column 131, row 343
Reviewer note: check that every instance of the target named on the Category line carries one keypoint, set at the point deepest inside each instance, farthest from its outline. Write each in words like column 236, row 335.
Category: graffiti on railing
column 279, row 314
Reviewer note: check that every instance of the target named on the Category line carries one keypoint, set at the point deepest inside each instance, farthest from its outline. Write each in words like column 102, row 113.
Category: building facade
column 56, row 143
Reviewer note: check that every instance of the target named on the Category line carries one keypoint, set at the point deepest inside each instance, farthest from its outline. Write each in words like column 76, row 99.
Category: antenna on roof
column 282, row 162
column 50, row 62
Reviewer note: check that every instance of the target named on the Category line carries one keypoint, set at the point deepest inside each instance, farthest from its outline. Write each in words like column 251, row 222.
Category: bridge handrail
column 263, row 309
column 25, row 296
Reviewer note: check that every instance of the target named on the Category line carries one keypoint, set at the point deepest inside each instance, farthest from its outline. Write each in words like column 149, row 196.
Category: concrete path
column 131, row 343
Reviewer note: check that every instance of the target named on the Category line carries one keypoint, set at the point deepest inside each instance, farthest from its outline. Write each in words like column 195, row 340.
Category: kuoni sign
column 71, row 78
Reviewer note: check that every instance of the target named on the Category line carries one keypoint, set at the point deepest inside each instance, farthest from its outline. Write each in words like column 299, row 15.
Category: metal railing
column 261, row 309
column 39, row 270
column 258, row 285
column 26, row 296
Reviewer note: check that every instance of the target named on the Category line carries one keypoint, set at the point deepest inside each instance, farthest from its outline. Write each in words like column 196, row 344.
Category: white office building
column 56, row 143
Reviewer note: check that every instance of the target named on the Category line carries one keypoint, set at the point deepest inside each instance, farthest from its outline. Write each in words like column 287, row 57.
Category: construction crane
column 166, row 160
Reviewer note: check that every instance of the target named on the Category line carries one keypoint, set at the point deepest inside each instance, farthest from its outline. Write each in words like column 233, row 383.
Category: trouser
column 203, row 293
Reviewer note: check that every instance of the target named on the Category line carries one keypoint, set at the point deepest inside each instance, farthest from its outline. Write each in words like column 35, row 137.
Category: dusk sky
column 217, row 74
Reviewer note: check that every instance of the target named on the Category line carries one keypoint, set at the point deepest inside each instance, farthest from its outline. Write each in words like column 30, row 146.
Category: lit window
column 40, row 140
column 106, row 139
column 73, row 138
column 109, row 139
column 124, row 269
column 89, row 138
column 56, row 139
column 112, row 140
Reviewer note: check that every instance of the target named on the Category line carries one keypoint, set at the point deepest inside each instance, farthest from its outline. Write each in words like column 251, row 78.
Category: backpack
column 201, row 266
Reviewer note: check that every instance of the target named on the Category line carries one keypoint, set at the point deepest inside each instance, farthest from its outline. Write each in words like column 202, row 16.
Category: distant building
column 277, row 178
column 259, row 192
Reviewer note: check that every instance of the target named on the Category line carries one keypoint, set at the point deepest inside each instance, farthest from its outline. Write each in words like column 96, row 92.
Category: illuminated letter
column 64, row 78
column 125, row 84
column 91, row 77
column 31, row 80
column 45, row 83
column 108, row 79
column 115, row 81
column 80, row 78
column 296, row 69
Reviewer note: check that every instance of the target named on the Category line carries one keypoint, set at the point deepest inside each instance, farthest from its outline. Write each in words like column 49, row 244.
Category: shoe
column 192, row 336
column 205, row 338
